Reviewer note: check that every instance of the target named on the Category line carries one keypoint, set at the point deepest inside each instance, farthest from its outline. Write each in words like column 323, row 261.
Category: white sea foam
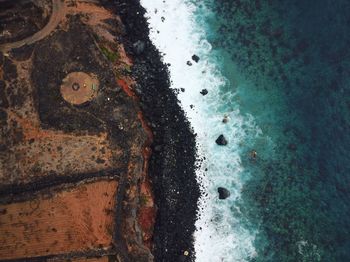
column 220, row 235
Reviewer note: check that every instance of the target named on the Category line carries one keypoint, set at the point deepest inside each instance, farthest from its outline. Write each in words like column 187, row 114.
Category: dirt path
column 58, row 12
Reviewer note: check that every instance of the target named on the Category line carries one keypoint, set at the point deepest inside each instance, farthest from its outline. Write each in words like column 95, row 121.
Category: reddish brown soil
column 110, row 208
column 76, row 219
column 78, row 88
column 100, row 259
column 42, row 151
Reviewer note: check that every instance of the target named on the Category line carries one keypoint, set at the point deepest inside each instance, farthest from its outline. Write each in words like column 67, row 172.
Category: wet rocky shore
column 172, row 164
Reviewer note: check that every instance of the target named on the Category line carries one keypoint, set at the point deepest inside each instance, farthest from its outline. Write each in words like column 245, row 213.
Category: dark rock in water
column 195, row 58
column 204, row 92
column 223, row 193
column 221, row 141
column 182, row 89
column 139, row 47
column 189, row 63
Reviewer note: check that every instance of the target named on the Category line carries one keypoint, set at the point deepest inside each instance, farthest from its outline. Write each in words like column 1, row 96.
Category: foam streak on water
column 220, row 235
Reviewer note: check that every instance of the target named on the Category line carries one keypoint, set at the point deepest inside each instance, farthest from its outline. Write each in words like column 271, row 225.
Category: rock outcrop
column 221, row 140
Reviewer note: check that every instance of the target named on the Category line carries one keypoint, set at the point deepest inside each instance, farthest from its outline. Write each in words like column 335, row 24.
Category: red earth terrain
column 74, row 145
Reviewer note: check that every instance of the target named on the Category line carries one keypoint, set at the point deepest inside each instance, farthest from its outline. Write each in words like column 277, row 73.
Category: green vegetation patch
column 109, row 54
column 143, row 200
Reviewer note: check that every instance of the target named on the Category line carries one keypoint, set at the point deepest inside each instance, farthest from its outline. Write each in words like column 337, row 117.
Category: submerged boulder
column 221, row 141
column 223, row 193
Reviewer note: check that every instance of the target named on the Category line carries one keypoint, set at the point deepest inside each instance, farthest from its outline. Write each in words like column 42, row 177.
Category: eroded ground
column 73, row 142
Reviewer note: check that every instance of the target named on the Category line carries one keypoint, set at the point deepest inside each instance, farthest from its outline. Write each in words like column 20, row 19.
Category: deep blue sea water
column 295, row 56
column 286, row 66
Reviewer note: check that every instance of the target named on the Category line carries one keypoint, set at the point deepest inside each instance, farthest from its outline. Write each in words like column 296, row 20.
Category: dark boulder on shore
column 195, row 58
column 158, row 148
column 139, row 47
column 204, row 92
column 223, row 193
column 221, row 140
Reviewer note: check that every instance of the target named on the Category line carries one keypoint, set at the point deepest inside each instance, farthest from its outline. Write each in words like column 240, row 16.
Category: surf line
column 194, row 72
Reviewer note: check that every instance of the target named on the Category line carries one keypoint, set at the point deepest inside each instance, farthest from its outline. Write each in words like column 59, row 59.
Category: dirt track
column 58, row 12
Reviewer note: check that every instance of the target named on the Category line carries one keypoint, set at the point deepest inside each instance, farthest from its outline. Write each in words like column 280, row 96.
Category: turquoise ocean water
column 286, row 68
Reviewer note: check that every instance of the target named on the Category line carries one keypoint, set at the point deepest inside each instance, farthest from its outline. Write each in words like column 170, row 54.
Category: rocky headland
column 97, row 159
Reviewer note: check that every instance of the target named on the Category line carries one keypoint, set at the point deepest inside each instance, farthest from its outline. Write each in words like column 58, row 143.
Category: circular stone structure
column 78, row 87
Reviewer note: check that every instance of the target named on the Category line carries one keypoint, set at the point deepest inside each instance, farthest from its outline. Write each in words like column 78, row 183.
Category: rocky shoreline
column 97, row 158
column 172, row 163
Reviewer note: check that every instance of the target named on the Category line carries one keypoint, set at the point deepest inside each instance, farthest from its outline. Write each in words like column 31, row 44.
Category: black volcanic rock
column 195, row 58
column 172, row 168
column 223, row 193
column 139, row 47
column 221, row 140
column 204, row 92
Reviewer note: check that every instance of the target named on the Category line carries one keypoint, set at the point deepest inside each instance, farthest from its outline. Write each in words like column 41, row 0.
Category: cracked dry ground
column 73, row 142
